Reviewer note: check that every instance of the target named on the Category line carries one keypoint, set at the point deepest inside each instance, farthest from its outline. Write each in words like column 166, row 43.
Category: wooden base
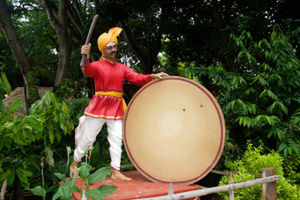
column 139, row 187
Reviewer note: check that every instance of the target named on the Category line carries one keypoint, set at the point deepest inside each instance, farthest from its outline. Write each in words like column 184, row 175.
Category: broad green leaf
column 257, row 119
column 268, row 93
column 15, row 104
column 65, row 108
column 49, row 156
column 55, row 118
column 6, row 83
column 76, row 189
column 5, row 175
column 271, row 107
column 94, row 194
column 60, row 175
column 283, row 108
column 58, row 193
column 65, row 189
column 39, row 191
column 281, row 147
column 24, row 172
column 10, row 176
column 107, row 189
column 240, row 56
column 99, row 175
column 53, row 100
column 58, row 136
column 230, row 106
column 279, row 135
column 296, row 149
column 268, row 119
column 23, row 180
column 51, row 134
column 47, row 98
column 84, row 171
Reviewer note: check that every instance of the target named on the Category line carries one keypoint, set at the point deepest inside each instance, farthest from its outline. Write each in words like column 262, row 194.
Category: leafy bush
column 66, row 189
column 252, row 162
column 77, row 107
column 260, row 98
column 18, row 157
column 292, row 168
column 24, row 141
column 55, row 116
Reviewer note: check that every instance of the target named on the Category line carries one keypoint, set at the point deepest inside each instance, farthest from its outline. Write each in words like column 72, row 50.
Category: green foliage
column 4, row 84
column 39, row 191
column 66, row 189
column 99, row 175
column 77, row 107
column 252, row 162
column 55, row 115
column 5, row 88
column 15, row 134
column 261, row 98
column 291, row 165
column 22, row 139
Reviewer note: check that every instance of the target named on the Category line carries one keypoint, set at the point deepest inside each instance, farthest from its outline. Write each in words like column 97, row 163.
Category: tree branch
column 74, row 18
column 138, row 52
column 52, row 16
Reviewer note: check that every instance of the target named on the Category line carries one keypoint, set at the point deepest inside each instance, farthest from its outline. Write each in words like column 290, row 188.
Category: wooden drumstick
column 84, row 56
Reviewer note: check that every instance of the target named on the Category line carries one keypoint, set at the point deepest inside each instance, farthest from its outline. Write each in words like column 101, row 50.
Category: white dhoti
column 87, row 131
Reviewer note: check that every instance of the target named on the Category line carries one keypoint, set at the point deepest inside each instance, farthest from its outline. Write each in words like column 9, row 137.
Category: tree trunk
column 58, row 21
column 18, row 190
column 64, row 59
column 18, row 52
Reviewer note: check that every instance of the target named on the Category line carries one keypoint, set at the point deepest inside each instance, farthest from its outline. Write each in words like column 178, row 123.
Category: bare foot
column 73, row 168
column 117, row 175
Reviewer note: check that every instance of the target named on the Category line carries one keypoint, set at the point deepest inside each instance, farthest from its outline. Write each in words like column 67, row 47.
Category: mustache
column 113, row 52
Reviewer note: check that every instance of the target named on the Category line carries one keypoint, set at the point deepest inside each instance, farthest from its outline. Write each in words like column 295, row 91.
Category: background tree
column 15, row 45
column 58, row 18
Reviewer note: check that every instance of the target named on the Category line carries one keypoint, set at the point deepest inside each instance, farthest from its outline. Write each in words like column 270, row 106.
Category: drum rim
column 221, row 122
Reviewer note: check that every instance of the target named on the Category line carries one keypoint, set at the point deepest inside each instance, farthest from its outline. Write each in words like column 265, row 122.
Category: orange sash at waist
column 114, row 94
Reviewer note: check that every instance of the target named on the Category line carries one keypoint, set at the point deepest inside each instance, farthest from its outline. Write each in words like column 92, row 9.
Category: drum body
column 174, row 131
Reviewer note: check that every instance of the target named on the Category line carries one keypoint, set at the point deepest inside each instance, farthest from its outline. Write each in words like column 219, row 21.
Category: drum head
column 174, row 131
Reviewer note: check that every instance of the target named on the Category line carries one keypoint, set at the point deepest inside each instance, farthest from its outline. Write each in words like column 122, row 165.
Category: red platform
column 139, row 187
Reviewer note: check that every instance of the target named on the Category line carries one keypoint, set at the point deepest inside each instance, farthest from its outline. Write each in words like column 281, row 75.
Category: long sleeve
column 90, row 69
column 136, row 78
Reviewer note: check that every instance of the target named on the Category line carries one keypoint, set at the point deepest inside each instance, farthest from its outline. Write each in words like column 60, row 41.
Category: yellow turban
column 105, row 38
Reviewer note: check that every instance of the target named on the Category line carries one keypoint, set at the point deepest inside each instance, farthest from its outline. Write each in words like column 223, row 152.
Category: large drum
column 174, row 131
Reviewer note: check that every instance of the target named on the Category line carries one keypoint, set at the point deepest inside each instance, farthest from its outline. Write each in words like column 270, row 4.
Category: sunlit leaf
column 15, row 104
column 99, row 175
column 107, row 189
column 94, row 194
column 49, row 156
column 39, row 191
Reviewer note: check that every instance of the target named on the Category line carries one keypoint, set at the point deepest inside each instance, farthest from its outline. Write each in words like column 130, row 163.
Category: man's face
column 110, row 51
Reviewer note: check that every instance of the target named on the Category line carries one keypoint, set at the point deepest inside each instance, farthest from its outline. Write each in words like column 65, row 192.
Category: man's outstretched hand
column 160, row 75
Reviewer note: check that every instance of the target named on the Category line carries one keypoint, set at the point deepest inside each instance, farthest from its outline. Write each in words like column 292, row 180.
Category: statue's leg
column 89, row 130
column 114, row 128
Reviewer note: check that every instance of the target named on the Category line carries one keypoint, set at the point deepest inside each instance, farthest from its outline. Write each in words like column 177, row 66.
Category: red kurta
column 109, row 77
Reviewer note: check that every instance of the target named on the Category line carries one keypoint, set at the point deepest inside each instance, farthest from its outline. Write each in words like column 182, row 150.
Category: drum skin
column 174, row 131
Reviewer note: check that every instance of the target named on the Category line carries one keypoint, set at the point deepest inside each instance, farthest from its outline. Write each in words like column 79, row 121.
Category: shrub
column 252, row 162
column 77, row 107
